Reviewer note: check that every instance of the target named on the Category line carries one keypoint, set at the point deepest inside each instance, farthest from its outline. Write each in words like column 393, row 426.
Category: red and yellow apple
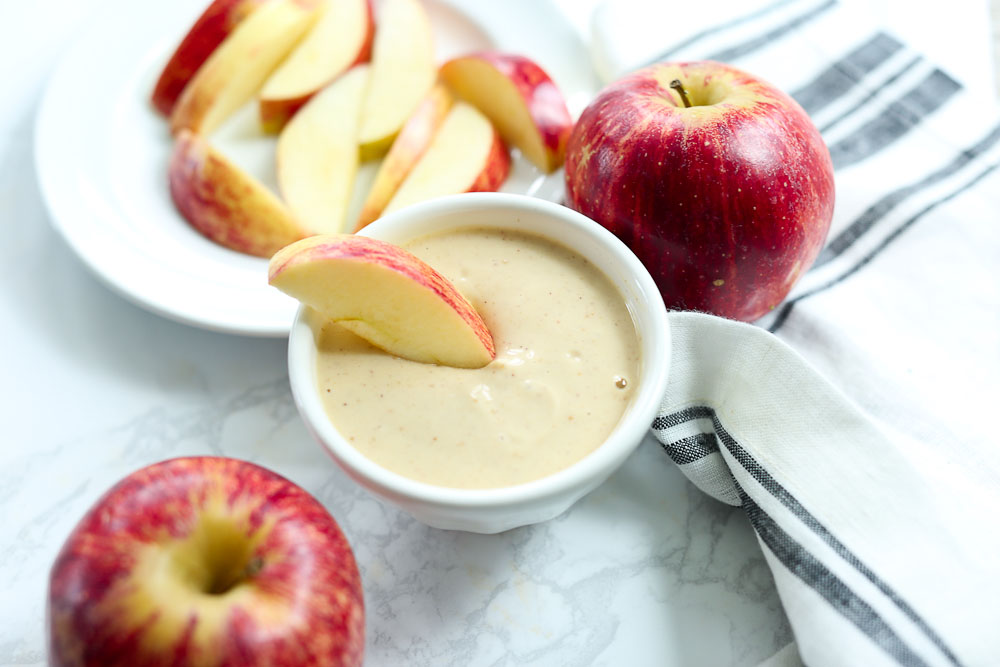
column 403, row 70
column 519, row 98
column 385, row 295
column 225, row 203
column 205, row 561
column 218, row 20
column 465, row 155
column 718, row 181
column 340, row 39
column 317, row 154
column 409, row 146
column 239, row 66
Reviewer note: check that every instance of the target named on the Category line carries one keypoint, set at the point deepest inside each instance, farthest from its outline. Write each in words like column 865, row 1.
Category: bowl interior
column 516, row 213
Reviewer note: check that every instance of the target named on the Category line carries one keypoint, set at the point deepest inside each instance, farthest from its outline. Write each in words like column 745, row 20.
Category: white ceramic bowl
column 495, row 510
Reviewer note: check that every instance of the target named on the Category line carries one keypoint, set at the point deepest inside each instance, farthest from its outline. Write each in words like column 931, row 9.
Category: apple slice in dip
column 566, row 355
column 385, row 295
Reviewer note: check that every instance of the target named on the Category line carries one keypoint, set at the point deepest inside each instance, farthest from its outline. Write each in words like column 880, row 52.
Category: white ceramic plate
column 101, row 154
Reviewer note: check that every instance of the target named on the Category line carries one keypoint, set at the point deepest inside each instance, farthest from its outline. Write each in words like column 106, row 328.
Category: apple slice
column 466, row 155
column 403, row 70
column 238, row 67
column 385, row 295
column 215, row 24
column 407, row 149
column 225, row 203
column 340, row 39
column 520, row 99
column 317, row 154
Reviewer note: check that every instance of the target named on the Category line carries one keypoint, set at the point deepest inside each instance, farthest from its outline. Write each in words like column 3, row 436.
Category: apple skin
column 546, row 107
column 127, row 586
column 218, row 20
column 466, row 154
column 496, row 170
column 224, row 203
column 727, row 203
column 238, row 67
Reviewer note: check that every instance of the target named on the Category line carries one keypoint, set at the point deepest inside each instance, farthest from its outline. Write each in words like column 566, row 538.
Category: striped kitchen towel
column 853, row 422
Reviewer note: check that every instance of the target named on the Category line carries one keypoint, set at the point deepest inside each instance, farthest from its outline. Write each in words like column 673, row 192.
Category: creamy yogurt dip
column 567, row 353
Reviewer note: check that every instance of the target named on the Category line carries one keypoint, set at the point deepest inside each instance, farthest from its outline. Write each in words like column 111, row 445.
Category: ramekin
column 500, row 509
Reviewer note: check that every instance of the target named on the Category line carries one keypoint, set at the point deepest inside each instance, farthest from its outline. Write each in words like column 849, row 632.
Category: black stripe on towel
column 771, row 485
column 786, row 309
column 692, row 448
column 881, row 208
column 683, row 416
column 811, row 571
column 844, row 74
column 768, row 38
column 898, row 118
column 872, row 94
column 721, row 27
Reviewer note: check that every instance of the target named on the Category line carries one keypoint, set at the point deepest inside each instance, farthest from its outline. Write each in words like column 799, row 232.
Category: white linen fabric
column 854, row 422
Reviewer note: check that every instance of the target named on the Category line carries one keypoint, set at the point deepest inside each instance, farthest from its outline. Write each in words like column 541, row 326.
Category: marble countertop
column 646, row 570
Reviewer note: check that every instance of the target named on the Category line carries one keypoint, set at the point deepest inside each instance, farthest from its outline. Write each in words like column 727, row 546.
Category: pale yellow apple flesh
column 226, row 204
column 403, row 70
column 385, row 295
column 237, row 68
column 341, row 38
column 407, row 149
column 317, row 154
column 466, row 155
column 204, row 575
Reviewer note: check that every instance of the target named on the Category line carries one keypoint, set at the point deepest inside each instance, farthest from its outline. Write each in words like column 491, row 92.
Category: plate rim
column 53, row 183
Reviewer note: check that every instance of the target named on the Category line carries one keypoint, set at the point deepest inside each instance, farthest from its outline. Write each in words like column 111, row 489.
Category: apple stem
column 253, row 567
column 679, row 87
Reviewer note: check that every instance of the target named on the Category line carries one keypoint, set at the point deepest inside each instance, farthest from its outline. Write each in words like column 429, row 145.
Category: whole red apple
column 206, row 561
column 718, row 181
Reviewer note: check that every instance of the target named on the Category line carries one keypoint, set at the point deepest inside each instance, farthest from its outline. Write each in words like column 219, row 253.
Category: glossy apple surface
column 385, row 295
column 520, row 98
column 210, row 29
column 226, row 204
column 205, row 561
column 727, row 202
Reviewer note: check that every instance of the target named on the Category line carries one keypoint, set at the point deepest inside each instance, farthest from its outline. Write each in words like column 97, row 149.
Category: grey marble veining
column 646, row 569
